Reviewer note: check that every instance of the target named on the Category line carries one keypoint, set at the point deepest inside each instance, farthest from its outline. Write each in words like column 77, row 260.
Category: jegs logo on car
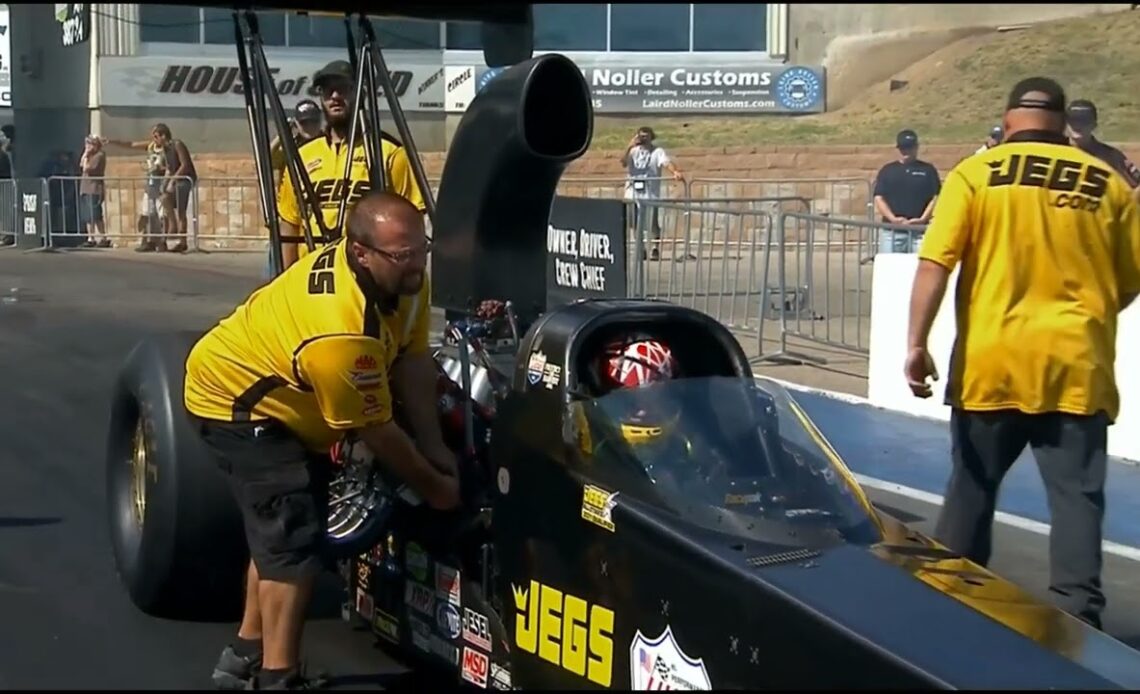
column 476, row 629
column 475, row 667
column 565, row 630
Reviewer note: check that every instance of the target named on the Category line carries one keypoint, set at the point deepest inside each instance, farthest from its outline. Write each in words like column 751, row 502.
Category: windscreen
column 732, row 455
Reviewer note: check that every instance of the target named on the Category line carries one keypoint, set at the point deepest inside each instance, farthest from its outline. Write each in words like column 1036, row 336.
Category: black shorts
column 282, row 489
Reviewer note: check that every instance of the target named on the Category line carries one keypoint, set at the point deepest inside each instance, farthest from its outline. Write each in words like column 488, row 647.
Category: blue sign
column 447, row 619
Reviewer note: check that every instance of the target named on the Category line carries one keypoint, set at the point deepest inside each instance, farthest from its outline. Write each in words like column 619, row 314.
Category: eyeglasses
column 400, row 257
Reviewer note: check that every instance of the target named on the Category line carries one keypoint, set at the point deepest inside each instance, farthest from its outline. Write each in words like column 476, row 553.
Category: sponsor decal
column 419, row 598
column 416, row 561
column 476, row 629
column 799, row 89
column 742, row 499
column 365, row 362
column 365, row 381
column 565, row 630
column 659, row 664
column 447, row 619
column 447, row 584
column 421, row 634
column 504, row 480
column 535, row 368
column 444, row 650
column 364, row 605
column 476, row 666
column 386, row 626
column 500, row 677
column 460, row 89
column 598, row 506
column 430, row 102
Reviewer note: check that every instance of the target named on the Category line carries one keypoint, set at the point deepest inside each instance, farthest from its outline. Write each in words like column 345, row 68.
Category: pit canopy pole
column 360, row 69
column 380, row 69
column 302, row 184
column 374, row 137
column 259, row 134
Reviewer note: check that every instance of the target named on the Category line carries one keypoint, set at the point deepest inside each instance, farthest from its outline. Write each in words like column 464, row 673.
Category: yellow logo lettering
column 565, row 630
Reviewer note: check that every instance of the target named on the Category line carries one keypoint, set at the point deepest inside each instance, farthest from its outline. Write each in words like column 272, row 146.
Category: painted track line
column 1018, row 522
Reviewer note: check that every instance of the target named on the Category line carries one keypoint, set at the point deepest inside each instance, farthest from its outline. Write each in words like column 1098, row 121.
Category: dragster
column 749, row 559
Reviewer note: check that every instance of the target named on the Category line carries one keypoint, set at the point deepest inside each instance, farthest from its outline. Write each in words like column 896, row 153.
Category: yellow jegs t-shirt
column 312, row 349
column 324, row 162
column 1049, row 242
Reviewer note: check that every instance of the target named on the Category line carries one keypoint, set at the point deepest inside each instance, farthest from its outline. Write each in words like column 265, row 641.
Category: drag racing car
column 698, row 533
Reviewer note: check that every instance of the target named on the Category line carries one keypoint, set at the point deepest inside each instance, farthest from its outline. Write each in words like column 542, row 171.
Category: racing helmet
column 636, row 362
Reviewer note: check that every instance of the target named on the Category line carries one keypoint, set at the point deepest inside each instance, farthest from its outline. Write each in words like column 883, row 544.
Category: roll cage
column 507, row 38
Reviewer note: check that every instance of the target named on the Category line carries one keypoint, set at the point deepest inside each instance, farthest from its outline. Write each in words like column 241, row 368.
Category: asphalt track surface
column 66, row 623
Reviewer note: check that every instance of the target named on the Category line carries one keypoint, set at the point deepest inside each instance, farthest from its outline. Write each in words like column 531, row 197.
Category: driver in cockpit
column 652, row 422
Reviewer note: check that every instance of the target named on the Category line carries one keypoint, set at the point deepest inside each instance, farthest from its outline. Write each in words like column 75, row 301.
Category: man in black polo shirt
column 905, row 191
column 1082, row 120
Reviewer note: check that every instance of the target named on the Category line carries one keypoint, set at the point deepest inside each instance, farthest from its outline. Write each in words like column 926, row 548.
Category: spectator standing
column 1082, row 120
column 1046, row 269
column 153, row 223
column 93, row 167
column 644, row 161
column 905, row 193
column 992, row 140
column 181, row 177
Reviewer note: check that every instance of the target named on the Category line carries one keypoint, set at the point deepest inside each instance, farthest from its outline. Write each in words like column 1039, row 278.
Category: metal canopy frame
column 371, row 76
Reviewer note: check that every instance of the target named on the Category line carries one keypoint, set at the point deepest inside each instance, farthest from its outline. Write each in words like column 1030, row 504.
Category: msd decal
column 475, row 667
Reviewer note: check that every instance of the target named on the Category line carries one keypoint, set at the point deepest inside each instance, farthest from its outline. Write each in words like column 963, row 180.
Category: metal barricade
column 817, row 284
column 615, row 188
column 130, row 209
column 838, row 197
column 707, row 258
column 10, row 226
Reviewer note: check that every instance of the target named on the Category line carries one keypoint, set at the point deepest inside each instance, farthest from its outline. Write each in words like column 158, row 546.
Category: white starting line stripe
column 1019, row 522
column 1009, row 519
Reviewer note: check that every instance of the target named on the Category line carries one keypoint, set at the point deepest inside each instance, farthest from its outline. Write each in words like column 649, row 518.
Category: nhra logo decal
column 657, row 664
column 386, row 627
column 500, row 677
column 421, row 634
column 447, row 619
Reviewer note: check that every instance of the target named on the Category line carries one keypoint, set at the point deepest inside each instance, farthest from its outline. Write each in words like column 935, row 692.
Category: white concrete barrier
column 890, row 309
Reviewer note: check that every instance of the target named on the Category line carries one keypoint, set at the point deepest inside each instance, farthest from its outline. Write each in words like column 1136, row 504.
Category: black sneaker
column 234, row 671
column 296, row 680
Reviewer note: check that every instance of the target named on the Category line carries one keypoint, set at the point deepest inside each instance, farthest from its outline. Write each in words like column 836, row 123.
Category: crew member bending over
column 318, row 351
column 324, row 157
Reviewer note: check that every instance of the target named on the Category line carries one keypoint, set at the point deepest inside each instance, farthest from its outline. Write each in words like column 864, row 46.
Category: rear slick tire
column 176, row 532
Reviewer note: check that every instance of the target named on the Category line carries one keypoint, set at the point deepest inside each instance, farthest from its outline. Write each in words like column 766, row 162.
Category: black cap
column 1082, row 113
column 337, row 69
column 906, row 139
column 307, row 110
column 1037, row 92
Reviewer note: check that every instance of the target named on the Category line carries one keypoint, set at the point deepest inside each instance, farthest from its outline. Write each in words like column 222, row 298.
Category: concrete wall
column 861, row 44
column 51, row 87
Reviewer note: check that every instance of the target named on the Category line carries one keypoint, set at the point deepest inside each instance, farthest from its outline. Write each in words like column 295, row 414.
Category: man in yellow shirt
column 323, row 158
column 318, row 351
column 1049, row 244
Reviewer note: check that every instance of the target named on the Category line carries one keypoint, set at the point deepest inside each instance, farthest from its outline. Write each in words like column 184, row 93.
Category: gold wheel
column 138, row 472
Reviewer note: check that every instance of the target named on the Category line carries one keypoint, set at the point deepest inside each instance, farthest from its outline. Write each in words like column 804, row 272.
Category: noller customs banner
column 756, row 88
column 187, row 82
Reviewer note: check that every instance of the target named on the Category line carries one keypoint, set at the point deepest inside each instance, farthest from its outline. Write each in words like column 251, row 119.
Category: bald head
column 387, row 239
column 379, row 219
